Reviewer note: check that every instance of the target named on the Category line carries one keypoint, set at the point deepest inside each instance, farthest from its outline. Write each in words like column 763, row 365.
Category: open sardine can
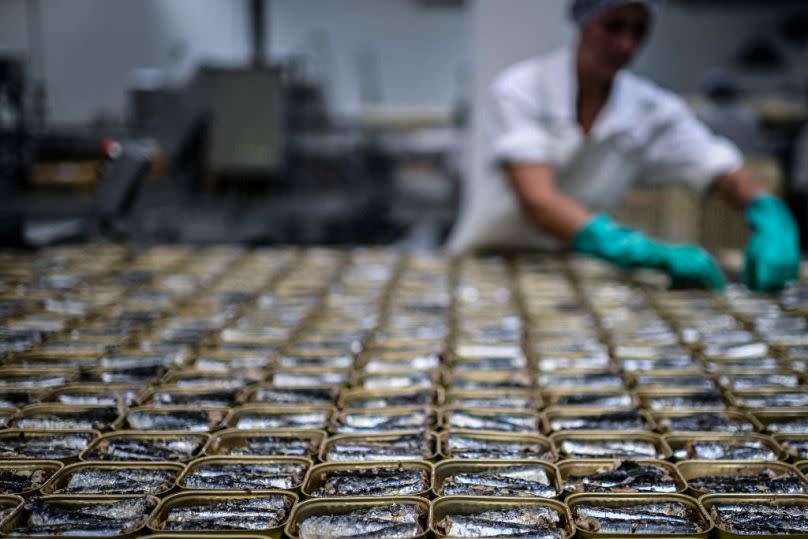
column 96, row 450
column 536, row 420
column 108, row 416
column 583, row 467
column 340, row 421
column 663, row 451
column 22, row 434
column 118, row 394
column 757, row 399
column 661, row 400
column 711, row 502
column 255, row 395
column 559, row 413
column 353, row 399
column 200, row 498
column 664, row 418
column 269, row 412
column 152, row 397
column 546, row 450
column 339, row 506
column 236, row 442
column 621, row 398
column 448, row 468
column 49, row 467
column 460, row 398
column 467, row 505
column 20, row 517
column 694, row 469
column 315, row 479
column 216, row 417
column 430, row 444
column 769, row 417
column 679, row 443
column 204, row 462
column 62, row 479
column 701, row 519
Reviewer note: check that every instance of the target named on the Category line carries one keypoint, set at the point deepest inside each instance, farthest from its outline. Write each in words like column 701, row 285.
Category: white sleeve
column 518, row 137
column 680, row 149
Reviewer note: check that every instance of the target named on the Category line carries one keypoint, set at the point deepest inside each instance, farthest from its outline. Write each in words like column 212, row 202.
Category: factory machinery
column 171, row 391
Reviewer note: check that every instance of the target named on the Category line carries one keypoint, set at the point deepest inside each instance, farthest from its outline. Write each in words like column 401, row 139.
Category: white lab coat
column 643, row 136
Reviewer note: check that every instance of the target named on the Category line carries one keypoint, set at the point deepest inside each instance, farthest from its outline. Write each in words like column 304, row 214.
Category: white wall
column 421, row 52
column 92, row 46
column 689, row 41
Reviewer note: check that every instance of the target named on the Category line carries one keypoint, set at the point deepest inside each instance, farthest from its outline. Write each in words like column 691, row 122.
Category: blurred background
column 340, row 122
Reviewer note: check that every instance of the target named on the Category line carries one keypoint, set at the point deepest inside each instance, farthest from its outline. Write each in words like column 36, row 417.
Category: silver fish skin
column 314, row 420
column 608, row 449
column 374, row 482
column 525, row 521
column 760, row 519
column 668, row 517
column 50, row 446
column 364, row 523
column 246, row 476
column 126, row 481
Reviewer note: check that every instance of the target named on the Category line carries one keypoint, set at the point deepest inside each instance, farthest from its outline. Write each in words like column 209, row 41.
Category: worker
column 574, row 130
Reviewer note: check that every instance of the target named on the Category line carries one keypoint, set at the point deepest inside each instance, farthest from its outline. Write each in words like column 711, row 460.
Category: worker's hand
column 688, row 265
column 691, row 266
column 773, row 252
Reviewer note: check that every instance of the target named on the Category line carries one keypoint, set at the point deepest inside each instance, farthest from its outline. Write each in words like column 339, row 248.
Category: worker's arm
column 773, row 251
column 597, row 235
column 548, row 208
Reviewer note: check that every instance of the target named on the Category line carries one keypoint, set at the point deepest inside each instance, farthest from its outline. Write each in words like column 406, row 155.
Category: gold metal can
column 248, row 416
column 62, row 445
column 694, row 469
column 556, row 415
column 200, row 498
column 746, row 422
column 371, row 421
column 385, row 398
column 485, row 419
column 337, row 506
column 234, row 442
column 426, row 451
column 317, row 476
column 644, row 442
column 50, row 469
column 215, row 418
column 466, row 505
column 98, row 394
column 575, row 501
column 28, row 418
column 681, row 444
column 510, row 399
column 712, row 502
column 204, row 462
column 521, row 446
column 62, row 479
column 582, row 467
column 99, row 449
column 19, row 517
column 446, row 468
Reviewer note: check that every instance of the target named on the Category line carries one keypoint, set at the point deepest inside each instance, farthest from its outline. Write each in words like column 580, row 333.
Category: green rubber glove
column 688, row 265
column 773, row 252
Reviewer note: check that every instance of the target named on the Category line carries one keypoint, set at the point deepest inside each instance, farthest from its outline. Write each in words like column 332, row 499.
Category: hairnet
column 583, row 10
